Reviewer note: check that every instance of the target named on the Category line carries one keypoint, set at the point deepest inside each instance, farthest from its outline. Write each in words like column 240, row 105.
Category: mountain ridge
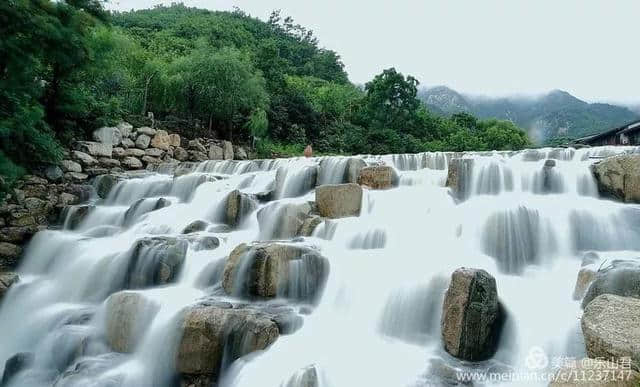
column 556, row 114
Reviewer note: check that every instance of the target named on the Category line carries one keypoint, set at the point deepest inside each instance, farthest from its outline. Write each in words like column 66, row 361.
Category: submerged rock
column 339, row 200
column 610, row 328
column 305, row 377
column 239, row 205
column 459, row 177
column 515, row 237
column 310, row 224
column 128, row 315
column 586, row 275
column 195, row 226
column 413, row 313
column 283, row 221
column 155, row 261
column 352, row 170
column 619, row 177
column 292, row 183
column 7, row 279
column 471, row 315
column 144, row 206
column 16, row 364
column 75, row 215
column 621, row 278
column 214, row 336
column 272, row 269
column 104, row 184
column 377, row 177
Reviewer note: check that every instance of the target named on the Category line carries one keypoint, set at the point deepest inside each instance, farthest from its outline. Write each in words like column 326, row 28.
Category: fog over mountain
column 556, row 114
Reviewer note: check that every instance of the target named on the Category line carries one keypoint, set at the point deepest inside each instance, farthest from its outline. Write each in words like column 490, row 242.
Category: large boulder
column 155, row 261
column 104, row 184
column 9, row 254
column 610, row 328
column 377, row 177
column 108, row 135
column 147, row 131
column 128, row 315
column 621, row 278
column 95, row 149
column 196, row 145
column 619, row 177
column 174, row 140
column 283, row 220
column 125, row 129
column 161, row 140
column 84, row 159
column 310, row 223
column 272, row 269
column 74, row 215
column 241, row 153
column 239, row 205
column 227, row 148
column 586, row 275
column 126, row 143
column 594, row 373
column 352, row 170
column 135, row 152
column 71, row 166
column 471, row 315
column 180, row 154
column 52, row 173
column 215, row 336
column 7, row 279
column 154, row 152
column 459, row 177
column 131, row 163
column 143, row 141
column 339, row 200
column 215, row 152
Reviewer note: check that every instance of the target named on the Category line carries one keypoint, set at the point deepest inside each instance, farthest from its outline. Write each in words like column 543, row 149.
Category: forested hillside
column 549, row 117
column 67, row 68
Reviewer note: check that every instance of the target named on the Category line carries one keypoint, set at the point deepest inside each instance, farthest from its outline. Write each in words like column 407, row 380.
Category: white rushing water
column 526, row 220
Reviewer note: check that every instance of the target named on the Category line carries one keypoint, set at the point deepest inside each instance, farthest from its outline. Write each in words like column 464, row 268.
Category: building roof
column 626, row 129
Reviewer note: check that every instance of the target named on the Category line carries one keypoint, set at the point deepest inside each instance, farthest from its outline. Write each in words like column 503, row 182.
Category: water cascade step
column 327, row 271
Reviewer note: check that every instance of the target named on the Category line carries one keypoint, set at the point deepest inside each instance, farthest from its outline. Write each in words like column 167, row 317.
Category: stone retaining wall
column 37, row 200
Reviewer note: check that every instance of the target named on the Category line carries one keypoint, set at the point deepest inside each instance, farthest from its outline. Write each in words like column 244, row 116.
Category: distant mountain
column 553, row 115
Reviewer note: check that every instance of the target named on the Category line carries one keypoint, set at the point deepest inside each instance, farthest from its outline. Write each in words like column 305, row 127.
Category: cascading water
column 527, row 218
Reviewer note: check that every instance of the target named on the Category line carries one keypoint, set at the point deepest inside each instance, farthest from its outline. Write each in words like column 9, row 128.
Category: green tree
column 391, row 101
column 220, row 85
column 504, row 135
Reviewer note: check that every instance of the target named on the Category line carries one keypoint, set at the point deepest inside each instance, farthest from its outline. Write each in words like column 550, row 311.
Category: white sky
column 589, row 48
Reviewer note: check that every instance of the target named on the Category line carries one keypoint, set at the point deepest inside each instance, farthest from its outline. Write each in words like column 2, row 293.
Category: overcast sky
column 490, row 47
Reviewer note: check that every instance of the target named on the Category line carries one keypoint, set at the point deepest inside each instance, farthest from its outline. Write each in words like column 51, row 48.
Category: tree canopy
column 68, row 67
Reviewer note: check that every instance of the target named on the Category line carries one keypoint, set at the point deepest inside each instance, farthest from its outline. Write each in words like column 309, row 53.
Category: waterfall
column 354, row 301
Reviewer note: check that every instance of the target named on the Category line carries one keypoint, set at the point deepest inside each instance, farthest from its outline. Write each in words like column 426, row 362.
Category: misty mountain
column 552, row 115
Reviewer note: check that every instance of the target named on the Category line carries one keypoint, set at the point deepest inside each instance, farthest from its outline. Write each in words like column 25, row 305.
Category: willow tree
column 219, row 85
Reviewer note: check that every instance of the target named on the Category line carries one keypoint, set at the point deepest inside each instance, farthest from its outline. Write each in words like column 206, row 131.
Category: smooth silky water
column 377, row 322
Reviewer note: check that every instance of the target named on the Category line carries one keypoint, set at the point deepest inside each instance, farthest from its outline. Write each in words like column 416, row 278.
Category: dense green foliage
column 554, row 118
column 67, row 67
column 44, row 47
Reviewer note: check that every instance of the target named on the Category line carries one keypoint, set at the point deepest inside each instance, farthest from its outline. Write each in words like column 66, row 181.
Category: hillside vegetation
column 67, row 68
column 548, row 118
